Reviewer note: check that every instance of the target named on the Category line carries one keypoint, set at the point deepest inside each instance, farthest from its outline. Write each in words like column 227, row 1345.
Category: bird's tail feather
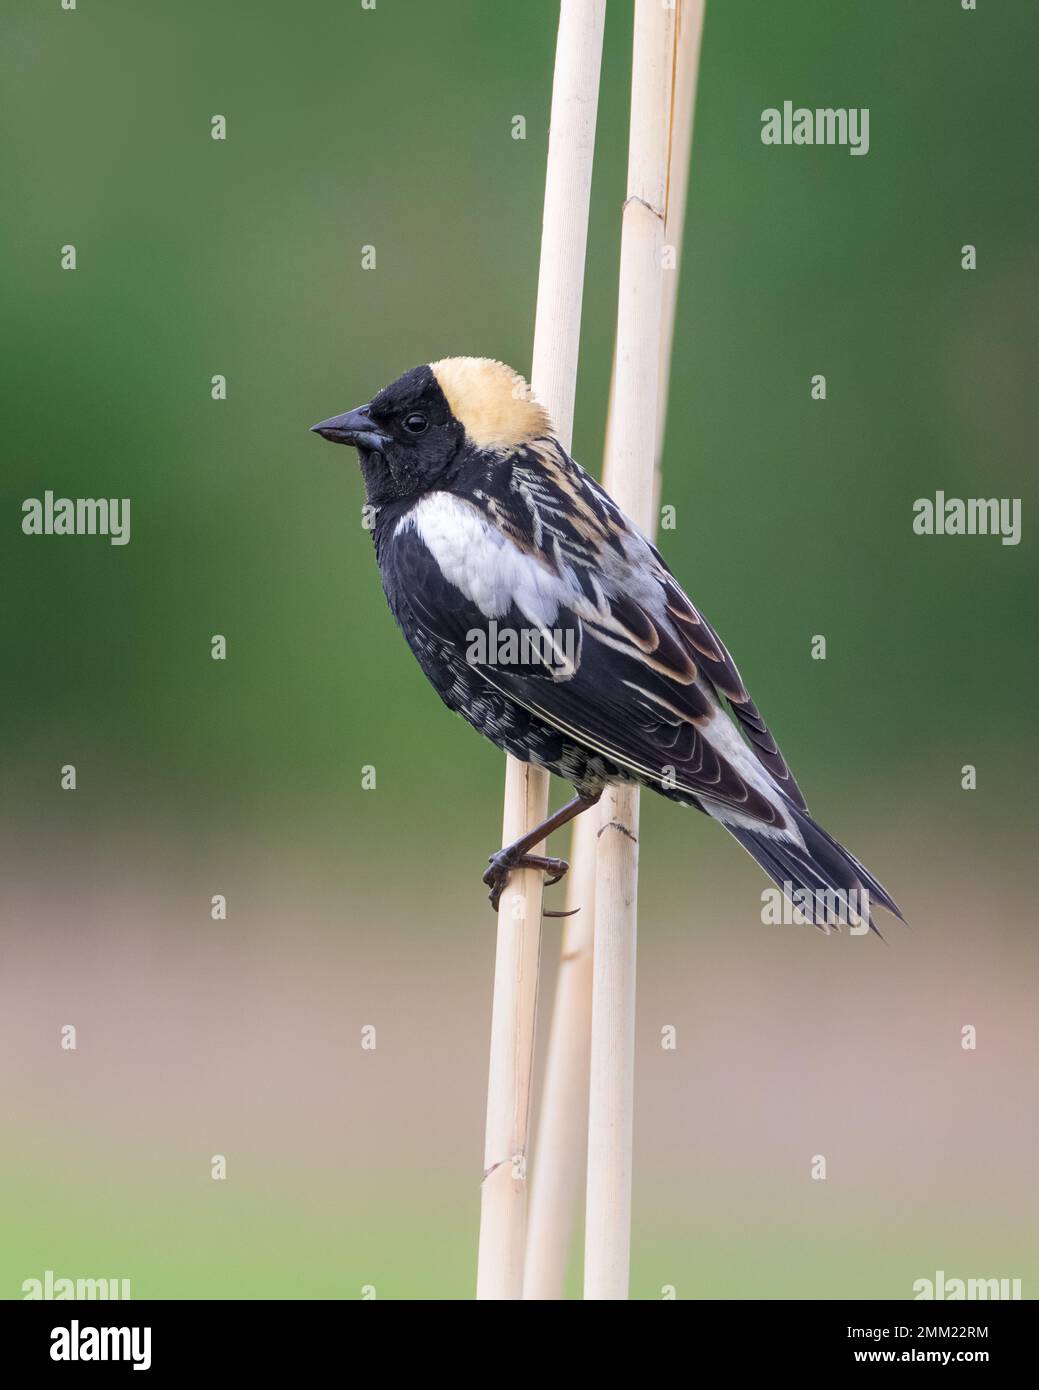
column 823, row 880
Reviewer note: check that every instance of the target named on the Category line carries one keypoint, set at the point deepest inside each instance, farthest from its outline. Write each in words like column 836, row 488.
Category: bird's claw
column 501, row 869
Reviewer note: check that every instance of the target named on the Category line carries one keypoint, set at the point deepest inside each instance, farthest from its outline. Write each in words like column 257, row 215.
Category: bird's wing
column 644, row 675
column 717, row 667
column 559, row 510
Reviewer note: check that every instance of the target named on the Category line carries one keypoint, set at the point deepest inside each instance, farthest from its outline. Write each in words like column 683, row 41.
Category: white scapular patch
column 489, row 568
column 491, row 401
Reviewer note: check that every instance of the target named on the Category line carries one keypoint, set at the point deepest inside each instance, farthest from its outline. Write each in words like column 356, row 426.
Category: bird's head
column 413, row 431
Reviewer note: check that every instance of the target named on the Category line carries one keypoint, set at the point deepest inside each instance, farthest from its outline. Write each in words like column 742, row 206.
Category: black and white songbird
column 541, row 614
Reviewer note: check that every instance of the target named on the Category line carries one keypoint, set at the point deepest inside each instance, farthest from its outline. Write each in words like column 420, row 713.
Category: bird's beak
column 355, row 427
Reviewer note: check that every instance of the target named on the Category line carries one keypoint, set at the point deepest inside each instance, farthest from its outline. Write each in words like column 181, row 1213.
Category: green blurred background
column 347, row 907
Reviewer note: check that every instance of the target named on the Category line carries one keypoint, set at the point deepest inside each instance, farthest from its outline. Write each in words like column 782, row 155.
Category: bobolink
column 541, row 614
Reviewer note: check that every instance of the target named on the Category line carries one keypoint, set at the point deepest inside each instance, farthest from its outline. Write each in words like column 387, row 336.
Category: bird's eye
column 415, row 424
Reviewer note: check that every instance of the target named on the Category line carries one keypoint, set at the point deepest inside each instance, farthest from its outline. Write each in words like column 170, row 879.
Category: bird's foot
column 505, row 861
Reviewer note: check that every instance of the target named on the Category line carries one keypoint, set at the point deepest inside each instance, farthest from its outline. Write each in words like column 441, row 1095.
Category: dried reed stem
column 563, row 1117
column 562, row 1121
column 629, row 474
column 575, row 94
